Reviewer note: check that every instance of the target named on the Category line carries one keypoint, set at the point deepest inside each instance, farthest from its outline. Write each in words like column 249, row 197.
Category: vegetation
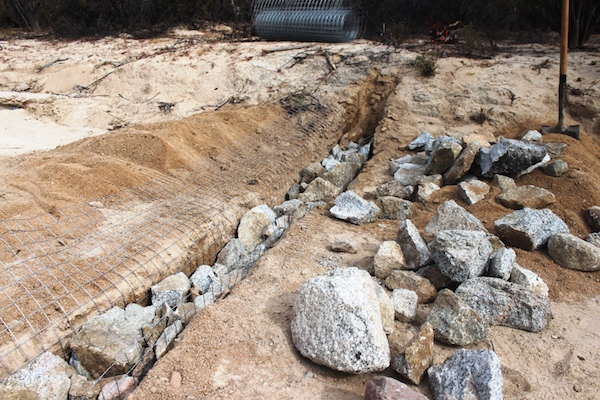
column 427, row 64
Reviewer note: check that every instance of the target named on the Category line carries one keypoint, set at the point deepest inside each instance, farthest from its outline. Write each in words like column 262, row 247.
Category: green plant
column 426, row 64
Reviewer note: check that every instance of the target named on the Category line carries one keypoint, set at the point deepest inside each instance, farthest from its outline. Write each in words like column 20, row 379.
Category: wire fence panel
column 59, row 269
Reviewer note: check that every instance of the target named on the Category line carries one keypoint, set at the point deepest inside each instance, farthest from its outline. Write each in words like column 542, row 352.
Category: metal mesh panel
column 308, row 20
column 59, row 269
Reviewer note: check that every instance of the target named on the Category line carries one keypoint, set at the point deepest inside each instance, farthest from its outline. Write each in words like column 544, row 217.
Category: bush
column 427, row 64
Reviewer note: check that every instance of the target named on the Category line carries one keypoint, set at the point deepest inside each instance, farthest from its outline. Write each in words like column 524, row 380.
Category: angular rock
column 555, row 168
column 503, row 182
column 484, row 140
column 417, row 357
column 503, row 303
column 501, row 263
column 454, row 322
column 394, row 189
column 425, row 190
column 424, row 289
column 542, row 163
column 384, row 388
column 232, row 254
column 82, row 389
column 592, row 217
column 112, row 340
column 294, row 192
column 432, row 273
column 389, row 257
column 367, row 264
column 442, row 157
column 395, row 164
column 252, row 225
column 162, row 317
column 118, row 389
column 532, row 136
column 319, row 190
column 386, row 308
column 340, row 175
column 184, row 313
column 509, row 157
column 473, row 191
column 394, row 208
column 424, row 140
column 450, row 215
column 343, row 246
column 337, row 322
column 527, row 196
column 462, row 164
column 570, row 252
column 79, row 368
column 355, row 160
column 166, row 340
column 408, row 174
column 311, row 171
column 172, row 290
column 203, row 278
column 529, row 279
column 405, row 304
column 460, row 254
column 295, row 208
column 436, row 179
column 555, row 149
column 352, row 208
column 529, row 229
column 593, row 238
column 365, row 150
column 467, row 374
column 329, row 163
column 415, row 250
column 336, row 152
column 48, row 378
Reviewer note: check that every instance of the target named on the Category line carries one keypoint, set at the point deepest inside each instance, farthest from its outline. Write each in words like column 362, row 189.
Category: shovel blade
column 572, row 130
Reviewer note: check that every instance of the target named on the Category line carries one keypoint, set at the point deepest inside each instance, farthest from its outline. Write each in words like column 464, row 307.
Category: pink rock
column 384, row 388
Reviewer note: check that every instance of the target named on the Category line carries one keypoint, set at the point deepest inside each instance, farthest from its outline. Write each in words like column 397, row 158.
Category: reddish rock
column 384, row 388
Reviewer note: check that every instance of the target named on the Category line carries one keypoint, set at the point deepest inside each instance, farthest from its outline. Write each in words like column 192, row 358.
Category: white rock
column 405, row 304
column 528, row 279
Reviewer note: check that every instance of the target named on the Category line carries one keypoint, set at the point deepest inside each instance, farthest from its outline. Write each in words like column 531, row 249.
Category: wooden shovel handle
column 564, row 37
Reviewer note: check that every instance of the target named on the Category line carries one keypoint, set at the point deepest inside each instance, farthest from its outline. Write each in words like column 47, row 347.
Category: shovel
column 572, row 131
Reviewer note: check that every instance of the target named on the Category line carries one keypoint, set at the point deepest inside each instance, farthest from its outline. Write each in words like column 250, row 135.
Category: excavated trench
column 64, row 266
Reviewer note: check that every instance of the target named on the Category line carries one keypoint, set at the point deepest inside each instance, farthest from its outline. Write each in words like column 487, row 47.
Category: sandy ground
column 241, row 347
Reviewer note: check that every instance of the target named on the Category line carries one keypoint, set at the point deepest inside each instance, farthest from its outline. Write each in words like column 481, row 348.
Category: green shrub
column 426, row 64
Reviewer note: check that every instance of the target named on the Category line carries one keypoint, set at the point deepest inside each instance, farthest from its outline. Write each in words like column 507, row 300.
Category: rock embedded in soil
column 172, row 290
column 232, row 255
column 423, row 141
column 527, row 196
column 405, row 304
column 252, row 225
column 454, row 322
column 532, row 136
column 389, row 257
column 442, row 157
column 462, row 164
column 48, row 377
column 385, row 388
column 319, row 190
column 118, row 389
column 415, row 250
column 311, row 171
column 501, row 263
column 503, row 303
column 342, row 246
column 294, row 208
column 394, row 208
column 592, row 217
column 555, row 168
column 570, row 252
column 425, row 191
column 394, row 189
column 337, row 322
column 529, row 280
column 467, row 374
column 461, row 254
column 450, row 215
column 294, row 192
column 352, row 208
column 503, row 182
column 417, row 357
column 510, row 157
column 473, row 191
column 162, row 317
column 555, row 149
column 410, row 280
column 529, row 229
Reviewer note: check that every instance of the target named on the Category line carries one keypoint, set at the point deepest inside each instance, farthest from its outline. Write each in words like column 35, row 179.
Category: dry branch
column 287, row 48
column 331, row 64
column 43, row 67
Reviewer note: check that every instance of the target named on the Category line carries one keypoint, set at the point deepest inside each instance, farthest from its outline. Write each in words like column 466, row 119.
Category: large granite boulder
column 253, row 224
column 352, row 208
column 529, row 229
column 337, row 322
column 450, row 215
column 509, row 157
column 570, row 252
column 503, row 303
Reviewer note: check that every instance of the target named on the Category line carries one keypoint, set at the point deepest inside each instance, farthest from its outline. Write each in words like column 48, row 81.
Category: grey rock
column 352, row 208
column 432, row 274
column 473, row 191
column 336, row 152
column 311, row 171
column 410, row 280
column 532, row 136
column 450, row 215
column 592, row 217
column 152, row 330
column 48, row 377
column 503, row 182
column 172, row 290
column 394, row 189
column 461, row 254
column 527, row 196
column 570, row 252
column 424, row 140
column 384, row 388
column 405, row 304
column 462, row 164
column 329, row 163
column 340, row 175
column 253, row 224
column 78, row 366
column 529, row 280
column 408, row 174
column 395, row 164
column 353, row 146
column 319, row 190
column 555, row 168
column 442, row 157
column 184, row 313
column 355, row 160
column 82, row 389
column 593, row 238
column 203, row 278
column 529, row 229
column 389, row 257
column 232, row 254
column 295, row 208
column 509, row 157
column 166, row 340
column 454, row 322
column 504, row 303
column 386, row 308
column 294, row 192
column 417, row 357
column 555, row 149
column 501, row 264
column 467, row 374
column 118, row 389
column 415, row 250
column 425, row 191
column 112, row 340
column 337, row 322
column 394, row 208
column 343, row 246
column 205, row 300
column 365, row 150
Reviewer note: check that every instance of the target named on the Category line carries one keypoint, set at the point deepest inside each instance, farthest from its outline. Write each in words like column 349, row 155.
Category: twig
column 114, row 63
column 297, row 47
column 114, row 116
column 43, row 67
column 329, row 60
column 151, row 98
column 94, row 84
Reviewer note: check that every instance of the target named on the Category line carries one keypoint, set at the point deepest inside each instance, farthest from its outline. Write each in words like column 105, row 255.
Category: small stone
column 294, row 192
column 570, row 252
column 395, row 164
column 394, row 189
column 384, row 388
column 424, row 140
column 311, row 171
column 408, row 174
column 501, row 264
column 529, row 229
column 118, row 389
column 175, row 380
column 386, row 308
column 82, row 389
column 528, row 279
column 167, row 339
column 252, row 225
column 405, row 304
column 172, row 290
column 450, row 215
column 592, row 217
column 555, row 168
column 425, row 191
column 462, row 165
column 21, row 87
column 442, row 157
column 593, row 238
column 319, row 190
column 203, row 278
column 425, row 290
column 354, row 209
column 417, row 356
column 476, row 138
column 527, row 196
column 473, row 191
column 503, row 182
column 555, row 149
column 389, row 257
column 329, row 163
column 294, row 208
column 367, row 264
column 185, row 312
column 394, row 208
column 577, row 387
column 532, row 136
column 342, row 246
column 415, row 250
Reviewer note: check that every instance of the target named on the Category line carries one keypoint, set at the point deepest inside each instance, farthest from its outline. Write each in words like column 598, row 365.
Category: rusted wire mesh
column 58, row 270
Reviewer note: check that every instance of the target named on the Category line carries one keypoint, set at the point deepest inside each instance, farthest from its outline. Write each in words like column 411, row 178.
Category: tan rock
column 425, row 290
column 417, row 357
column 389, row 257
column 525, row 197
column 462, row 164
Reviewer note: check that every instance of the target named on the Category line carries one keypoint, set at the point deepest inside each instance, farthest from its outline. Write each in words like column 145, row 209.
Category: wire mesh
column 59, row 269
column 308, row 20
